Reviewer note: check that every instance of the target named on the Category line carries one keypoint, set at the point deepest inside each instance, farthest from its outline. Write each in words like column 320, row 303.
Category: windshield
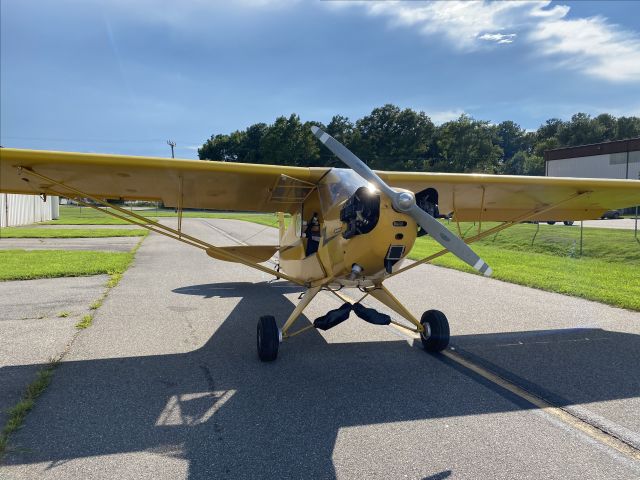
column 337, row 186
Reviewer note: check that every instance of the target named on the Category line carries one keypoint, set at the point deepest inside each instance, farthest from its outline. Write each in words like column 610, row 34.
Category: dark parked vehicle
column 610, row 214
column 566, row 222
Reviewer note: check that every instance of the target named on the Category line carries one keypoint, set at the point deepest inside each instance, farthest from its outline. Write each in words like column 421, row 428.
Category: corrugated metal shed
column 619, row 159
column 25, row 209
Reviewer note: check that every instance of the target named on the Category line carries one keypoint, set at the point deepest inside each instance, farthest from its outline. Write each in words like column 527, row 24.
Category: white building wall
column 26, row 209
column 613, row 165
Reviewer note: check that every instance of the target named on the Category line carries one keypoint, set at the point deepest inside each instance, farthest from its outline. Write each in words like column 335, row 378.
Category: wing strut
column 139, row 220
column 496, row 229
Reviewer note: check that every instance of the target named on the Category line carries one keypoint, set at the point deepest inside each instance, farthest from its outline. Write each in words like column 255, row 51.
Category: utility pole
column 172, row 144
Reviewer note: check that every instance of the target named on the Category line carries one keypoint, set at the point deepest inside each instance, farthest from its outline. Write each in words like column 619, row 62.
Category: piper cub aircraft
column 349, row 228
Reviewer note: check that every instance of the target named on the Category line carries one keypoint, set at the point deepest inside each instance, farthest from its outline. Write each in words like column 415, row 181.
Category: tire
column 551, row 223
column 435, row 322
column 268, row 338
column 568, row 223
column 616, row 215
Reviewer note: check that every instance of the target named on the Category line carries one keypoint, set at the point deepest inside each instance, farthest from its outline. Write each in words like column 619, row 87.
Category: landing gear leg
column 269, row 336
column 433, row 327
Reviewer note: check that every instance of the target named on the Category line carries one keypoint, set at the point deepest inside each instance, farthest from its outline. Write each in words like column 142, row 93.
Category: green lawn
column 29, row 264
column 71, row 215
column 31, row 232
column 606, row 279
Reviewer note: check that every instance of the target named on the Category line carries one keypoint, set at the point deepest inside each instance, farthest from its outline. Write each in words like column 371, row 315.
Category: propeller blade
column 448, row 240
column 405, row 202
column 352, row 161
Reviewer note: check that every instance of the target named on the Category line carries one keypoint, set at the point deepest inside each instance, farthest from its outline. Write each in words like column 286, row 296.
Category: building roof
column 617, row 146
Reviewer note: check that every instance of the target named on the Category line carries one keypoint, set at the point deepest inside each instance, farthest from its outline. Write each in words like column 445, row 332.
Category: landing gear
column 435, row 337
column 268, row 338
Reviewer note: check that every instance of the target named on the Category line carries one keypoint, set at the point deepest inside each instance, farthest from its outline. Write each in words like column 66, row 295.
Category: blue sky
column 123, row 76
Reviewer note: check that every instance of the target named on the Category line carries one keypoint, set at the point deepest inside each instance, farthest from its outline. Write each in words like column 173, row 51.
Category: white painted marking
column 488, row 272
column 324, row 137
column 173, row 413
column 478, row 265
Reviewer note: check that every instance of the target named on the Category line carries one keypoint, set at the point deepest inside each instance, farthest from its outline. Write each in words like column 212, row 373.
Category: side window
column 296, row 221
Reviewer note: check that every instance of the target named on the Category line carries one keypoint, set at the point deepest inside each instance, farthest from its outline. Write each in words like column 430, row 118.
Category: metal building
column 26, row 209
column 619, row 159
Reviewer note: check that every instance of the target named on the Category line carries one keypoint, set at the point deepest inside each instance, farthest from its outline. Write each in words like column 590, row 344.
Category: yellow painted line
column 562, row 415
column 542, row 404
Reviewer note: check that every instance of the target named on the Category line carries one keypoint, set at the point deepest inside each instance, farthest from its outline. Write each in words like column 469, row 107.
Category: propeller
column 405, row 202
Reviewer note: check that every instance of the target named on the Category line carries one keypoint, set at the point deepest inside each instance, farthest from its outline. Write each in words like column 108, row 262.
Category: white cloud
column 592, row 45
column 499, row 38
column 443, row 116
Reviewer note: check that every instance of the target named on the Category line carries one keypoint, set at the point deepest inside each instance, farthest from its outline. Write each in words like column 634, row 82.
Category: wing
column 506, row 197
column 200, row 184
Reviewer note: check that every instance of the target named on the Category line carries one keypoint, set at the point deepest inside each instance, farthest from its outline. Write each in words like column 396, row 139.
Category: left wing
column 190, row 183
column 473, row 197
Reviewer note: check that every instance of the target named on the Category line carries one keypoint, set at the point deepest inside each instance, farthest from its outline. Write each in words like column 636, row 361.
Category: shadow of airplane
column 230, row 415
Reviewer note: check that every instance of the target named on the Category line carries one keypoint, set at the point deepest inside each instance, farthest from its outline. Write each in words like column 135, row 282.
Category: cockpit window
column 337, row 186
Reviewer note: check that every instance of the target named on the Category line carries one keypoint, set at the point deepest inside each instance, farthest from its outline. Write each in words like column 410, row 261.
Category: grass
column 97, row 304
column 86, row 322
column 607, row 270
column 18, row 412
column 30, row 264
column 31, row 232
column 63, row 314
column 70, row 215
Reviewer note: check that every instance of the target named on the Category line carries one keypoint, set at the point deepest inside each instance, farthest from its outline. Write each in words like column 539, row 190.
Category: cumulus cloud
column 590, row 45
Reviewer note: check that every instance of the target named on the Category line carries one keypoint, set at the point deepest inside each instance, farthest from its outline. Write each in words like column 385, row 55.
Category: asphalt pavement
column 167, row 383
column 115, row 244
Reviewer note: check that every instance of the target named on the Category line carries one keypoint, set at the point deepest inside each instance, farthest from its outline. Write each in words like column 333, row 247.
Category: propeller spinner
column 405, row 202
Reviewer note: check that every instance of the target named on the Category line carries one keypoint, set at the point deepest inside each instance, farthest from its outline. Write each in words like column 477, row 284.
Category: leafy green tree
column 290, row 142
column 393, row 139
column 581, row 130
column 511, row 138
column 628, row 127
column 467, row 145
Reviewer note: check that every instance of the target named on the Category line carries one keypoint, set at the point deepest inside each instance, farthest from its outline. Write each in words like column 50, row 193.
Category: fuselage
column 361, row 237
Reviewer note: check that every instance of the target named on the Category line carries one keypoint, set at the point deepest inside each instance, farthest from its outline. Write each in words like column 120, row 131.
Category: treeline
column 393, row 139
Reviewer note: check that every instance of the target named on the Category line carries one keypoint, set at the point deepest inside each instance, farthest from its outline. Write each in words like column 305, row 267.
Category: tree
column 467, row 145
column 393, row 139
column 581, row 130
column 511, row 138
column 289, row 142
column 628, row 127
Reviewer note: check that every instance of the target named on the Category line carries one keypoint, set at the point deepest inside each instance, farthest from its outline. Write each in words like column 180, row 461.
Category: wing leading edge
column 473, row 197
column 201, row 184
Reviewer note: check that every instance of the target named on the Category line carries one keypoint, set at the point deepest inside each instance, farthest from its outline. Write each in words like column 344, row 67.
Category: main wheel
column 268, row 338
column 568, row 223
column 435, row 337
column 551, row 223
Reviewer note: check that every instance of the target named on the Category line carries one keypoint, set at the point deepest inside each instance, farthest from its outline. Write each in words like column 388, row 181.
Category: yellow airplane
column 349, row 228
